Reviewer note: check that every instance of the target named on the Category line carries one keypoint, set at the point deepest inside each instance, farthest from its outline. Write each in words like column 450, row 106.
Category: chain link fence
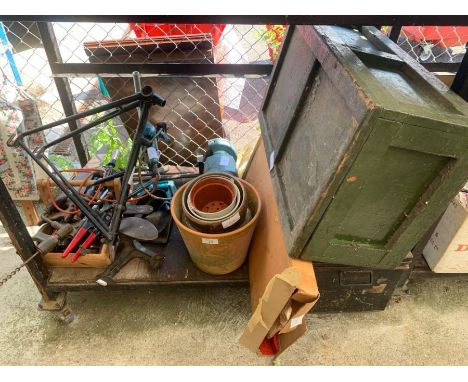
column 434, row 44
column 198, row 108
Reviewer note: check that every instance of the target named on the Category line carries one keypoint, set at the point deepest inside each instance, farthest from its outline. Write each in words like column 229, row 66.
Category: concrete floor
column 201, row 326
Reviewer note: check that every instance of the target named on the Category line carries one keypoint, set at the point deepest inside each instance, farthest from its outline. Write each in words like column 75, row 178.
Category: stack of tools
column 106, row 208
column 71, row 236
column 76, row 235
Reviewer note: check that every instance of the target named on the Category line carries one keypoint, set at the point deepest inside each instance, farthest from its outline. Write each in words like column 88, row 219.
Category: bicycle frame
column 144, row 100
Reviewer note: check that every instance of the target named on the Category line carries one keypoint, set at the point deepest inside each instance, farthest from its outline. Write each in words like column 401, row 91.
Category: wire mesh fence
column 434, row 44
column 86, row 42
column 198, row 108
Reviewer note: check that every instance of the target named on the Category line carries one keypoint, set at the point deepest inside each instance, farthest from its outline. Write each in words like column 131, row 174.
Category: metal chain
column 17, row 269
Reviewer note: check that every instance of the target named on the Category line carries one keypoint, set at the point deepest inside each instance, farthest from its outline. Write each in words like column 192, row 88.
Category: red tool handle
column 76, row 239
column 90, row 240
column 269, row 346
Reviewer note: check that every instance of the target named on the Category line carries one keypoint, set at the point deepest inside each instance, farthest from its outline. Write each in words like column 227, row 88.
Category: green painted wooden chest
column 366, row 147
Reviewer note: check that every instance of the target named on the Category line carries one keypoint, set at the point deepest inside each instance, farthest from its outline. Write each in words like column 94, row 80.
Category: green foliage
column 273, row 36
column 61, row 161
column 386, row 29
column 107, row 136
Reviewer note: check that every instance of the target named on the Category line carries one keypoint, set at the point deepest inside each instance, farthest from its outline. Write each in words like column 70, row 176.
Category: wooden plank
column 91, row 260
column 43, row 192
column 30, row 213
column 446, row 78
column 268, row 255
column 269, row 237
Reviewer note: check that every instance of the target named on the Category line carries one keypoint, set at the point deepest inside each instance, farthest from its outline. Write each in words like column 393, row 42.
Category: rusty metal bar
column 21, row 240
column 249, row 19
column 158, row 68
column 63, row 86
column 395, row 33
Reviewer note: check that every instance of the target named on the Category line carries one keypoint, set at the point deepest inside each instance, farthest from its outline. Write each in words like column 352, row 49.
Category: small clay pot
column 225, row 223
column 213, row 198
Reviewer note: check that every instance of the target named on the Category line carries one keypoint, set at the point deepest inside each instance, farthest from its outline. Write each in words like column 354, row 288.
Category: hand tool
column 93, row 235
column 62, row 230
column 83, row 230
column 111, row 165
column 138, row 209
column 160, row 219
column 86, row 225
column 48, row 242
column 132, row 230
column 138, row 228
column 129, row 249
column 149, row 185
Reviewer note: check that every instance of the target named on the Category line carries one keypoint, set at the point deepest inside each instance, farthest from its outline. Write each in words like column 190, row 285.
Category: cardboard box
column 282, row 289
column 447, row 249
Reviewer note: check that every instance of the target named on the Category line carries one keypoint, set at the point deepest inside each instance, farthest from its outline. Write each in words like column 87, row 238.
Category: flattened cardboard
column 282, row 289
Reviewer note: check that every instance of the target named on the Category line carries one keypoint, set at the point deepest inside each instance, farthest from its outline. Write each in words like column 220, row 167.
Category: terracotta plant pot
column 219, row 222
column 219, row 253
column 213, row 197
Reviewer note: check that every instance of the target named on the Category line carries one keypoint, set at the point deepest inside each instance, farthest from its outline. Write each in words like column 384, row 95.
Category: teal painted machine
column 221, row 156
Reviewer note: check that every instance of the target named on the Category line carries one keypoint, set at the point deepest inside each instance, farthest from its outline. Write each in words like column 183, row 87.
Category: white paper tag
column 272, row 160
column 296, row 321
column 232, row 220
column 205, row 240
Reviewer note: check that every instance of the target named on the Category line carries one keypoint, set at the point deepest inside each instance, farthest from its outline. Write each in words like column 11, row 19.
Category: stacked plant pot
column 216, row 214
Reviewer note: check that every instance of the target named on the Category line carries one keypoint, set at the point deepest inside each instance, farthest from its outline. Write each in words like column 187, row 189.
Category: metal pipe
column 69, row 192
column 107, row 181
column 88, row 126
column 253, row 19
column 460, row 82
column 135, row 97
column 49, row 41
column 137, row 81
column 21, row 240
column 137, row 142
column 162, row 69
column 137, row 86
column 395, row 33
